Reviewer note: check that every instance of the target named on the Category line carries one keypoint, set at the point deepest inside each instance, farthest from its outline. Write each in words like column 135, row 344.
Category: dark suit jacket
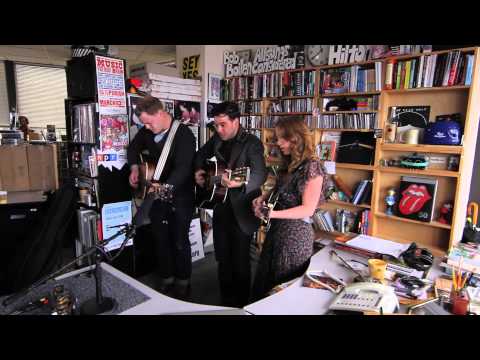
column 178, row 170
column 247, row 151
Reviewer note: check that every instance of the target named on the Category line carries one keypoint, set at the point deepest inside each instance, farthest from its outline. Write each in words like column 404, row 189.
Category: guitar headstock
column 241, row 174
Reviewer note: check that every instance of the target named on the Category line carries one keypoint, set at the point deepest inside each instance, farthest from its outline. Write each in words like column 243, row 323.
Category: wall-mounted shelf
column 344, row 203
column 354, row 166
column 440, row 149
column 289, row 113
column 398, row 218
column 428, row 89
column 428, row 172
column 351, row 94
column 333, row 129
column 350, row 112
column 452, row 185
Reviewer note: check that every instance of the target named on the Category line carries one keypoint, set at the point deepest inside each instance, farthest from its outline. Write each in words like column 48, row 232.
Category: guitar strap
column 165, row 151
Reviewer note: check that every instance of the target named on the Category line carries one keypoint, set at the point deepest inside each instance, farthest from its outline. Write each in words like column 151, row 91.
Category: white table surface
column 299, row 300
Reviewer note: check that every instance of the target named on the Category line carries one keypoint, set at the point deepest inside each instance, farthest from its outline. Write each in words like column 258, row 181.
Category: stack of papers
column 378, row 245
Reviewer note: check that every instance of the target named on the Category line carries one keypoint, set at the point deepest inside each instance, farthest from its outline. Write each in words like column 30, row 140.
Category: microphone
column 117, row 226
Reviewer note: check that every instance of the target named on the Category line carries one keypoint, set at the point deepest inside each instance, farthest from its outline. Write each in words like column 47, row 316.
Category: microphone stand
column 100, row 301
column 100, row 304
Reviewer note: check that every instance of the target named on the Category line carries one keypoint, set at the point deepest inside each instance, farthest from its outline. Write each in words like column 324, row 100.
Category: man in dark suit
column 233, row 221
column 170, row 222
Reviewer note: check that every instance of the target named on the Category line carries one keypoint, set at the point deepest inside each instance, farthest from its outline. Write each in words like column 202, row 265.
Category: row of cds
column 347, row 121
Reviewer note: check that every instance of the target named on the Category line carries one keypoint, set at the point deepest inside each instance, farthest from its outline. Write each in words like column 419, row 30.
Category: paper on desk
column 378, row 245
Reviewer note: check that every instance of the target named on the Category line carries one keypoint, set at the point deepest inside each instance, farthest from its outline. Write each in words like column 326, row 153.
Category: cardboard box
column 14, row 168
column 42, row 166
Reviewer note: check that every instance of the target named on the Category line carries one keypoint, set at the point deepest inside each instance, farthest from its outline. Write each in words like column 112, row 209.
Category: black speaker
column 81, row 77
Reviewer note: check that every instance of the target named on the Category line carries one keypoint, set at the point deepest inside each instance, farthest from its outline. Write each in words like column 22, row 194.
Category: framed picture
column 326, row 150
column 244, row 55
column 214, row 87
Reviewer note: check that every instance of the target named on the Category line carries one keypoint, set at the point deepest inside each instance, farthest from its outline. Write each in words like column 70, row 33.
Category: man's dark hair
column 149, row 105
column 226, row 108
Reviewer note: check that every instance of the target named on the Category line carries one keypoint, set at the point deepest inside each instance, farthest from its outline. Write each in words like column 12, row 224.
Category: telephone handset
column 366, row 296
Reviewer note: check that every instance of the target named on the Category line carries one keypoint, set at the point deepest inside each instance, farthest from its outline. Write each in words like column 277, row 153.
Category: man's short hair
column 226, row 108
column 149, row 105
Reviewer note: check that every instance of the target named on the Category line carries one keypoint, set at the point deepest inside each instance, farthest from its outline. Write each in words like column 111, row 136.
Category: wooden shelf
column 353, row 166
column 398, row 218
column 351, row 94
column 431, row 172
column 438, row 88
column 359, row 130
column 440, row 149
column 417, row 55
column 251, row 114
column 289, row 113
column 350, row 112
column 344, row 203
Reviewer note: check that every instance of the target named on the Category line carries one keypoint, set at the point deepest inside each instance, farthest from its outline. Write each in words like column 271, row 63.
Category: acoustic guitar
column 147, row 191
column 147, row 184
column 213, row 192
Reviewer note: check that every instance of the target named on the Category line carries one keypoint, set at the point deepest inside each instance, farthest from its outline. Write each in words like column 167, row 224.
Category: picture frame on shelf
column 214, row 87
column 326, row 150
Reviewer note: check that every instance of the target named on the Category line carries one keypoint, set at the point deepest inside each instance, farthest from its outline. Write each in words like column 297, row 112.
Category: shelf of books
column 401, row 123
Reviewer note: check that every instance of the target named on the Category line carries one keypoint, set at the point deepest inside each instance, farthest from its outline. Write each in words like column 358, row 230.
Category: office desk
column 299, row 300
column 157, row 303
column 132, row 297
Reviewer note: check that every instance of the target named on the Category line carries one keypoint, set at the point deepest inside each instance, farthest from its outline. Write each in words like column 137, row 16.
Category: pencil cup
column 459, row 303
column 377, row 269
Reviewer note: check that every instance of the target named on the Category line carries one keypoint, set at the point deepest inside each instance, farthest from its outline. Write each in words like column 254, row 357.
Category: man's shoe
column 181, row 291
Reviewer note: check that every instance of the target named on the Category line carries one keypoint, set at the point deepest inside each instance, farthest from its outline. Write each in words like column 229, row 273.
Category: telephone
column 366, row 296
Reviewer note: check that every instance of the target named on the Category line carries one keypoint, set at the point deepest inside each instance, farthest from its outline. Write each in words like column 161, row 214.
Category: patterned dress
column 289, row 243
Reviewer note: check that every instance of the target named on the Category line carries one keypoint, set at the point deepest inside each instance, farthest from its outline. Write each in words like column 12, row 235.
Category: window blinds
column 41, row 92
column 4, row 118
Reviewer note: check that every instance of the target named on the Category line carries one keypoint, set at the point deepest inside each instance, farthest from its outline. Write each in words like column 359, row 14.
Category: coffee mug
column 377, row 268
column 410, row 136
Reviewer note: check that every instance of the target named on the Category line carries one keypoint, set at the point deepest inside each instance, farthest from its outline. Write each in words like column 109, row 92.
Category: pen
column 454, row 279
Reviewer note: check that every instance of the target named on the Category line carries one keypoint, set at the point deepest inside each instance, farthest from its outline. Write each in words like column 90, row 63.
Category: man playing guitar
column 170, row 215
column 233, row 219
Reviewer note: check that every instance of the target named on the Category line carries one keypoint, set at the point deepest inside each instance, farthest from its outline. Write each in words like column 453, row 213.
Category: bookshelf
column 453, row 185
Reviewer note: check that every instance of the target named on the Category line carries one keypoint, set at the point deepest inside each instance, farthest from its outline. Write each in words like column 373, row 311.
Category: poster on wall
column 111, row 85
column 214, row 87
column 169, row 106
column 190, row 67
column 115, row 214
column 113, row 141
column 188, row 112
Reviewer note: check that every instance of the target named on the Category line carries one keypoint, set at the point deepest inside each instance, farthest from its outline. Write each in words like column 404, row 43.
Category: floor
column 204, row 284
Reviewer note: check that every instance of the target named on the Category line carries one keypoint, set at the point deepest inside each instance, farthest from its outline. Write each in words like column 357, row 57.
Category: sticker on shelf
column 330, row 167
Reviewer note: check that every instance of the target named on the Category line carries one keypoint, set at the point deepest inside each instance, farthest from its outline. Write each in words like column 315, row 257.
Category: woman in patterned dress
column 289, row 242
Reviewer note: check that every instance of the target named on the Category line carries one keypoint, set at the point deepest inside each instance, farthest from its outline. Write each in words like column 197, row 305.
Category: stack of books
column 352, row 79
column 170, row 87
column 323, row 220
column 362, row 193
